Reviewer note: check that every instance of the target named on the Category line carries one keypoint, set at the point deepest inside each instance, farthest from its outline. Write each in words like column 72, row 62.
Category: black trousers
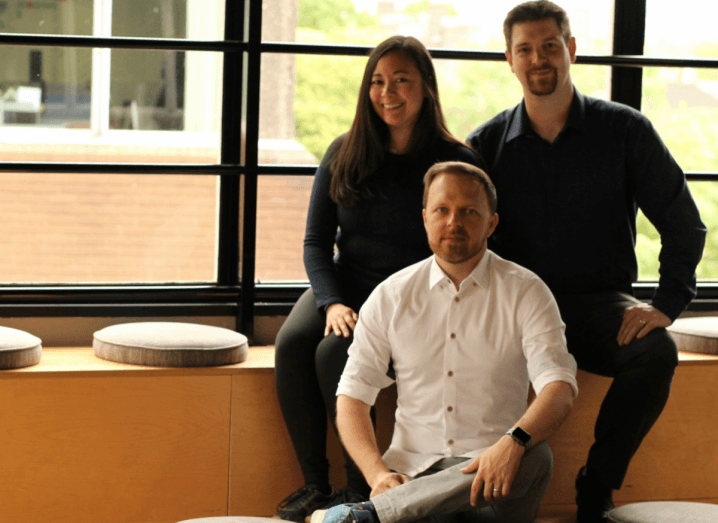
column 642, row 373
column 308, row 367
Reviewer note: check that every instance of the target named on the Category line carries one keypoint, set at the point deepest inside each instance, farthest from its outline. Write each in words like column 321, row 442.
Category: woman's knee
column 301, row 332
column 331, row 357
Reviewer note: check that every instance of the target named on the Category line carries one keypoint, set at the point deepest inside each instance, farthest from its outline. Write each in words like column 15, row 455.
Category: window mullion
column 100, row 90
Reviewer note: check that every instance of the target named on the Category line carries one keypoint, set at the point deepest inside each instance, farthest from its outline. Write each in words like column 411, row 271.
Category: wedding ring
column 497, row 490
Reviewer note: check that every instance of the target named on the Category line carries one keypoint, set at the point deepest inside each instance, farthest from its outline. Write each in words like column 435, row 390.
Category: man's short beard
column 543, row 88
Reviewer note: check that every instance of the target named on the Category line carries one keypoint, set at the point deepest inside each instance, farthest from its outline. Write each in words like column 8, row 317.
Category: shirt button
column 452, row 336
column 449, row 408
column 450, row 442
column 457, row 299
column 450, row 373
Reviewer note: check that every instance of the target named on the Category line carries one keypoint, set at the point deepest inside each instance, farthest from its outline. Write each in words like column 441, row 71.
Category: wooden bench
column 85, row 439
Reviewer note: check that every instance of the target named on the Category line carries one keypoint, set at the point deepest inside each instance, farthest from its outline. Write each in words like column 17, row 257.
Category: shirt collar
column 479, row 275
column 521, row 125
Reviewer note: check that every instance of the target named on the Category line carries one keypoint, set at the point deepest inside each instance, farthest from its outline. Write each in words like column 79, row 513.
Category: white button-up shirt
column 462, row 360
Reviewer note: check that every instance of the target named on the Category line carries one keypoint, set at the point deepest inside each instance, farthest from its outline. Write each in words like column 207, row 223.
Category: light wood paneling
column 264, row 468
column 89, row 440
column 113, row 449
column 678, row 460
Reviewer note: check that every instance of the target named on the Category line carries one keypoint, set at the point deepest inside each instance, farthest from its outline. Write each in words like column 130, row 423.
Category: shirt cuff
column 357, row 390
column 553, row 375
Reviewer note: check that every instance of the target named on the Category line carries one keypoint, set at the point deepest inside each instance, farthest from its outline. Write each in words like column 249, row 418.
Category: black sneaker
column 301, row 503
column 594, row 499
column 340, row 497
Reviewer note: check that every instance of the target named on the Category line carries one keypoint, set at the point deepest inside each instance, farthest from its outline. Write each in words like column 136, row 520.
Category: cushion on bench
column 169, row 344
column 665, row 512
column 698, row 334
column 18, row 348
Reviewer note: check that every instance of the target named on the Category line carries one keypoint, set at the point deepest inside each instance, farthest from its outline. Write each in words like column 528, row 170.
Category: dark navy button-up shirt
column 567, row 209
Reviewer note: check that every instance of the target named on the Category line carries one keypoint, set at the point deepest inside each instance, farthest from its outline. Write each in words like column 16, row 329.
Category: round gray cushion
column 169, row 344
column 232, row 519
column 18, row 348
column 696, row 334
column 665, row 512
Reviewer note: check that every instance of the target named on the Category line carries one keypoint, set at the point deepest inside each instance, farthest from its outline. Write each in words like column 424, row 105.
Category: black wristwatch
column 520, row 436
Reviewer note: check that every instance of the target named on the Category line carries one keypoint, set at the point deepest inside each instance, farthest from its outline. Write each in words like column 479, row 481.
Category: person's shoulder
column 515, row 275
column 390, row 292
column 407, row 275
column 612, row 112
column 493, row 126
column 509, row 269
column 332, row 150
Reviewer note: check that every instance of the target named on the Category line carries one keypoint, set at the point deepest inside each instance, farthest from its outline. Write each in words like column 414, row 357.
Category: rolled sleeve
column 548, row 368
column 369, row 354
column 544, row 342
column 357, row 382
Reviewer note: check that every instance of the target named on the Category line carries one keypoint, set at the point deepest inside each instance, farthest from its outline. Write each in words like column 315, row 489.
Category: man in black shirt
column 571, row 172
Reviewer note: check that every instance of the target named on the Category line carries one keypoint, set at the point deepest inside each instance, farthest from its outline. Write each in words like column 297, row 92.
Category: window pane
column 681, row 30
column 45, row 86
column 648, row 242
column 72, row 18
column 682, row 104
column 73, row 228
column 282, row 203
column 191, row 19
column 55, row 122
column 438, row 24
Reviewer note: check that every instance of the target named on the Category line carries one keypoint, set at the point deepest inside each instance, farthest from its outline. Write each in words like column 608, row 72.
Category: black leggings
column 307, row 370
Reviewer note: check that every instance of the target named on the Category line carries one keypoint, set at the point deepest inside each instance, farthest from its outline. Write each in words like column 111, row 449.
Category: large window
column 158, row 154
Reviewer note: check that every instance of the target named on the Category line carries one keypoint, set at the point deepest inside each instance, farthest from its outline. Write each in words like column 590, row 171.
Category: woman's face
column 396, row 91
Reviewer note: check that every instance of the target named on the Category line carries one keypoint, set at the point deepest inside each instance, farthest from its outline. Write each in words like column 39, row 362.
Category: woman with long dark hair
column 366, row 200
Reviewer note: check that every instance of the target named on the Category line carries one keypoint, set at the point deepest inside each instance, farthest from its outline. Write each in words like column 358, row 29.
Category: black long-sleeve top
column 567, row 209
column 377, row 237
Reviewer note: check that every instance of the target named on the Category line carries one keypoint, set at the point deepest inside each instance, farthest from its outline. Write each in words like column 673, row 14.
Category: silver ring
column 497, row 490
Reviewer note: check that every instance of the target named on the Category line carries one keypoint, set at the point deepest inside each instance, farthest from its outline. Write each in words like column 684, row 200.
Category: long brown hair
column 363, row 148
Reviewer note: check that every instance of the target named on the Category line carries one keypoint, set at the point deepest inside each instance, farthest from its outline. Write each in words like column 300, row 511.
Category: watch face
column 521, row 435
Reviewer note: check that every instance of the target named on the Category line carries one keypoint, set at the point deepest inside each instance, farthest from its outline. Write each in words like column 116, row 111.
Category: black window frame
column 235, row 292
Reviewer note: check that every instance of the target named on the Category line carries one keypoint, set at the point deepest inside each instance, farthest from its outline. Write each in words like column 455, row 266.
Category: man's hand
column 387, row 481
column 496, row 469
column 639, row 320
column 340, row 319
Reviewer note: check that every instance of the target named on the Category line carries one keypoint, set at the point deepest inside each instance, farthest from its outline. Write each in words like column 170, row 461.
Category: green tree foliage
column 328, row 15
column 418, row 8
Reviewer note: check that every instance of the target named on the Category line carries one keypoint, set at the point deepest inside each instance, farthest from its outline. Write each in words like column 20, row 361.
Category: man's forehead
column 545, row 29
column 452, row 179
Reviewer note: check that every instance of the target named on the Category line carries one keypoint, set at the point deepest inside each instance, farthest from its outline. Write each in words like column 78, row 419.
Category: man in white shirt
column 466, row 331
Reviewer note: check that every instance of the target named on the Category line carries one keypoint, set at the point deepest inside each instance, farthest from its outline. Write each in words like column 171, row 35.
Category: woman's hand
column 340, row 319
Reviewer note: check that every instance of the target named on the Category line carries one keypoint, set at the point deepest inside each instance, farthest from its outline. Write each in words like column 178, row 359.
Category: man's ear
column 493, row 222
column 509, row 59
column 572, row 49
